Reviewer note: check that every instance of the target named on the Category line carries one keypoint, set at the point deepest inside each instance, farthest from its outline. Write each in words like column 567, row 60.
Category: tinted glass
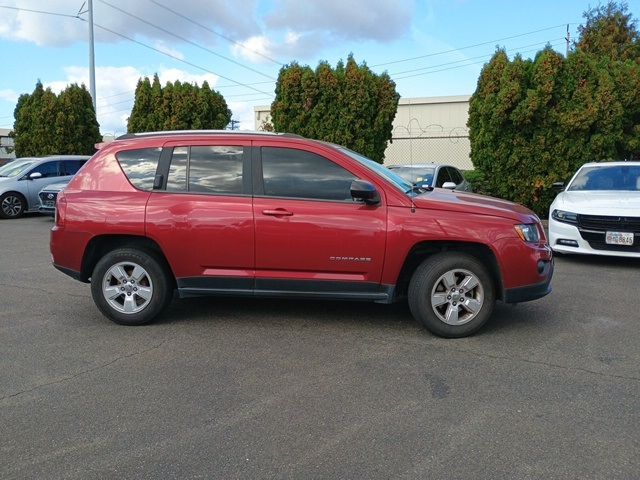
column 177, row 181
column 216, row 170
column 299, row 174
column 47, row 169
column 71, row 167
column 614, row 177
column 456, row 176
column 443, row 177
column 140, row 166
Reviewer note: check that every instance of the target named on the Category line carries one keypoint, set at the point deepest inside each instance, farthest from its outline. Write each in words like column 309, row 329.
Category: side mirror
column 558, row 186
column 35, row 175
column 365, row 191
column 449, row 185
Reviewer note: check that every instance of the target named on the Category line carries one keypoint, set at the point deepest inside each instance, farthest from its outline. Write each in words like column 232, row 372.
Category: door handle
column 278, row 212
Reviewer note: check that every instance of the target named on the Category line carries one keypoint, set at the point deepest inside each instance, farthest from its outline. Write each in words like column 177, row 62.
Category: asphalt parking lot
column 228, row 388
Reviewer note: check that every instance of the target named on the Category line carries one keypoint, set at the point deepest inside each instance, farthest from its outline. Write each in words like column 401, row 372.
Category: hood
column 599, row 203
column 54, row 187
column 457, row 201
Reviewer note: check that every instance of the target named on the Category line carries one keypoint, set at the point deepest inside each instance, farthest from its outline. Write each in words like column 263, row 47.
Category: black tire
column 157, row 283
column 428, row 282
column 12, row 205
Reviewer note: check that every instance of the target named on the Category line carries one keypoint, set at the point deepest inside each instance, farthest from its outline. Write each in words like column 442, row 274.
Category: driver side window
column 47, row 169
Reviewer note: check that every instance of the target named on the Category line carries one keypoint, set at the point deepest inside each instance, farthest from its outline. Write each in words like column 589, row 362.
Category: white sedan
column 599, row 211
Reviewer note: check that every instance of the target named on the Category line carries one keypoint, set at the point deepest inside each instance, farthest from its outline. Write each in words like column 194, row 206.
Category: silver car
column 433, row 175
column 22, row 179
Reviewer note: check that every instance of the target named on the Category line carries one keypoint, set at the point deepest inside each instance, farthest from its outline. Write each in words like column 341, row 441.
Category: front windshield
column 607, row 177
column 416, row 175
column 397, row 181
column 15, row 168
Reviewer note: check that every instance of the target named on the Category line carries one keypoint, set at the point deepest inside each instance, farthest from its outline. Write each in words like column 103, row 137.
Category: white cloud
column 236, row 19
column 164, row 48
column 9, row 95
column 381, row 20
column 254, row 49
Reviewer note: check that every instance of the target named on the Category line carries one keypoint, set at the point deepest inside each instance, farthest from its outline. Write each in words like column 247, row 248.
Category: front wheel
column 12, row 205
column 131, row 286
column 452, row 294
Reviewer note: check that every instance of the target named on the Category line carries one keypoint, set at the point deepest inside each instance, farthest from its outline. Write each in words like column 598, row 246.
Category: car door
column 50, row 173
column 202, row 214
column 311, row 236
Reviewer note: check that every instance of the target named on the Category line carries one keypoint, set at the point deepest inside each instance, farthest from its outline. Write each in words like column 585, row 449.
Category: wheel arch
column 100, row 245
column 424, row 250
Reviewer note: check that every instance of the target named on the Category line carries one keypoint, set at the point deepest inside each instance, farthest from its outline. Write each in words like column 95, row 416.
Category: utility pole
column 92, row 61
column 567, row 38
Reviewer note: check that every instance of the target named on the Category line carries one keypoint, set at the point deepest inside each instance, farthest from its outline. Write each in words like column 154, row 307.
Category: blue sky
column 429, row 47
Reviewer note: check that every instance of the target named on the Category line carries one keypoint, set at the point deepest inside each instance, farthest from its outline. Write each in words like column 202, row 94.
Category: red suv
column 276, row 215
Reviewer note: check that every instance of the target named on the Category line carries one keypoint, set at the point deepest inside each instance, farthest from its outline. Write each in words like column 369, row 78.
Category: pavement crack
column 84, row 372
column 545, row 364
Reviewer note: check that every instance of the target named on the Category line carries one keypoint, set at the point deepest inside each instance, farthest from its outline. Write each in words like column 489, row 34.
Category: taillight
column 61, row 209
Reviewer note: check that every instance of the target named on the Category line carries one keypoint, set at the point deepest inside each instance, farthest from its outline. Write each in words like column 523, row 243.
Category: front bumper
column 562, row 232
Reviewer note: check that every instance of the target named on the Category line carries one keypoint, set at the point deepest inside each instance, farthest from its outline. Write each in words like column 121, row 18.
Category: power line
column 19, row 9
column 231, row 40
column 184, row 39
column 470, row 46
column 472, row 58
column 126, row 37
column 458, row 66
column 43, row 12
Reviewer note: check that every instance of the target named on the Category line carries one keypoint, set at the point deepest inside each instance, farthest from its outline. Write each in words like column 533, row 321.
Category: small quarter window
column 140, row 166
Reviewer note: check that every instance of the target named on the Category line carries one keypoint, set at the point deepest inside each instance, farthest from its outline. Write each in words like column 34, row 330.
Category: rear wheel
column 452, row 294
column 12, row 205
column 131, row 286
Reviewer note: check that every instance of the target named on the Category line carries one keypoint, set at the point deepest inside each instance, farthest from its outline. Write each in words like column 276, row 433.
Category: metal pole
column 92, row 63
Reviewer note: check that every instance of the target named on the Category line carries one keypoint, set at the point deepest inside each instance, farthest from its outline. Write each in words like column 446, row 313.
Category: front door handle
column 278, row 212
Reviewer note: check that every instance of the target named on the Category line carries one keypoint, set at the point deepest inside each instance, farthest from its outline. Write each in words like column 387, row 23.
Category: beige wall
column 425, row 130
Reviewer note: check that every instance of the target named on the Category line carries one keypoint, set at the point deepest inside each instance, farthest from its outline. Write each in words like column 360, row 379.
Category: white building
column 6, row 144
column 431, row 129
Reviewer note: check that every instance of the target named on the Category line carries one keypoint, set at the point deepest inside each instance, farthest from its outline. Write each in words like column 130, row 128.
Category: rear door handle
column 278, row 212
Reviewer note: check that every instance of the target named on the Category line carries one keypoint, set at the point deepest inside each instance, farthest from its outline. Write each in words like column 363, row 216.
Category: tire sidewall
column 159, row 277
column 423, row 281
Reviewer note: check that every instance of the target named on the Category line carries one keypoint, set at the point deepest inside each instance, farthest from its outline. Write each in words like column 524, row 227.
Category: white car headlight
column 564, row 216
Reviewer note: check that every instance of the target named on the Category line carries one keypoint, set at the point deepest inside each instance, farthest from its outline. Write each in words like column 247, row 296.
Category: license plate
column 619, row 238
column 50, row 203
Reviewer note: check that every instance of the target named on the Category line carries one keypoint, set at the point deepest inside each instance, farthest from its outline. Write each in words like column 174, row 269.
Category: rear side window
column 299, row 174
column 206, row 169
column 71, row 167
column 140, row 166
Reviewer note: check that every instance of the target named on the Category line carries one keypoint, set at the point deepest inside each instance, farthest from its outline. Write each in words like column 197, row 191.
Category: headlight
column 528, row 232
column 563, row 216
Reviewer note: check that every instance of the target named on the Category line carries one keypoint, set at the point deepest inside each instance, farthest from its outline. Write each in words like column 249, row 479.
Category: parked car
column 598, row 212
column 433, row 175
column 47, row 197
column 259, row 214
column 22, row 180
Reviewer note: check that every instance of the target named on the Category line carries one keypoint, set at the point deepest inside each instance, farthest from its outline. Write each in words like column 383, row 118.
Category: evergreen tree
column 50, row 124
column 535, row 122
column 348, row 105
column 140, row 120
column 177, row 106
column 609, row 31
